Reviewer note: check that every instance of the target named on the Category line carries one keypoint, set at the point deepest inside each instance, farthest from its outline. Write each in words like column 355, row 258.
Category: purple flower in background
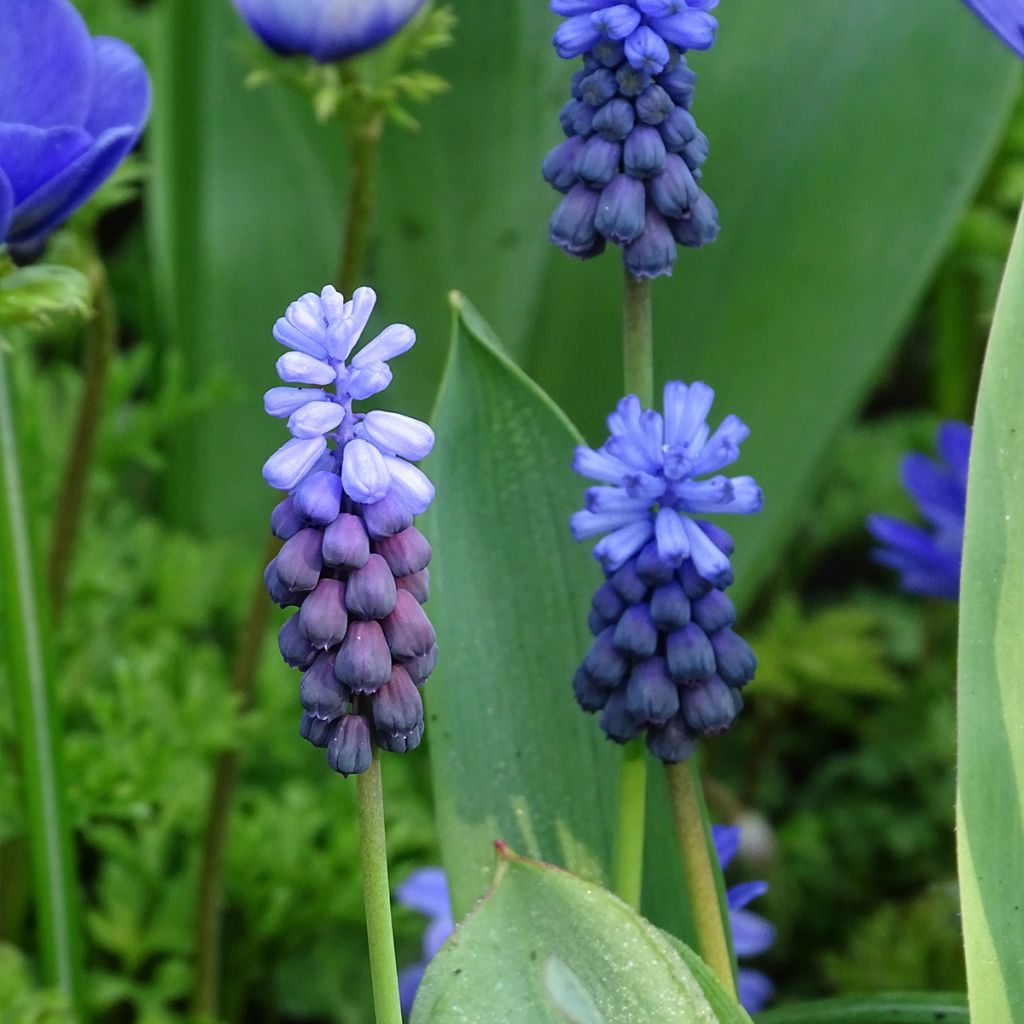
column 665, row 660
column 752, row 935
column 630, row 165
column 71, row 107
column 425, row 891
column 928, row 558
column 326, row 30
column 1005, row 18
column 352, row 563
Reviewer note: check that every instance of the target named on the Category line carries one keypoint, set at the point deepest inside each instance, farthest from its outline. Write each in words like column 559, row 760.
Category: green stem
column 698, row 870
column 364, row 149
column 630, row 824
column 377, row 895
column 638, row 340
column 39, row 736
column 99, row 346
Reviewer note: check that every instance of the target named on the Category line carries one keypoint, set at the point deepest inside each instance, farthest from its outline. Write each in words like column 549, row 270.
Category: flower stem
column 638, row 340
column 38, row 723
column 698, row 870
column 364, row 148
column 377, row 894
column 99, row 347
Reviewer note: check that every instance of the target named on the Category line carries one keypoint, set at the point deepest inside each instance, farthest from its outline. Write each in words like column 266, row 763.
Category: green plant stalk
column 99, row 347
column 38, row 723
column 364, row 148
column 377, row 894
column 698, row 870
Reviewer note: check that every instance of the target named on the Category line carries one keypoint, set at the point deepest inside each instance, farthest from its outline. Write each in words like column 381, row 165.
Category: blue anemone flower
column 1005, row 18
column 326, row 30
column 71, row 107
column 426, row 892
column 928, row 558
column 752, row 935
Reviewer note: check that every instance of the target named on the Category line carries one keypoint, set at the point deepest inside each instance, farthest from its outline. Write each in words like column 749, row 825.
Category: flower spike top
column 352, row 562
column 665, row 659
column 630, row 165
column 928, row 559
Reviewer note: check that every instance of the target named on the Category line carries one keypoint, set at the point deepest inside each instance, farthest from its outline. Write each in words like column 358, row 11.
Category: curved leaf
column 886, row 1008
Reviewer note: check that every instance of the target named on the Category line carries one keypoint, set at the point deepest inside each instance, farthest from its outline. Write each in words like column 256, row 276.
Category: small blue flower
column 426, row 892
column 928, row 559
column 630, row 166
column 1005, row 18
column 352, row 563
column 752, row 935
column 71, row 107
column 326, row 30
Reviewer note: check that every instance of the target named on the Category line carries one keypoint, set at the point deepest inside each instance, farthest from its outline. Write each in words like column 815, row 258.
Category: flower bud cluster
column 630, row 165
column 352, row 564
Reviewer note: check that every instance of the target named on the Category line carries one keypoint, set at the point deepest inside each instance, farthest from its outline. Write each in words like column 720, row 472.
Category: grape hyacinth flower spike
column 928, row 559
column 352, row 563
column 630, row 166
column 665, row 660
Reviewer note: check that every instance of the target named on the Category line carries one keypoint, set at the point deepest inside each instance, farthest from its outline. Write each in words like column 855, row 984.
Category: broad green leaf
column 990, row 703
column 726, row 1008
column 887, row 1008
column 546, row 947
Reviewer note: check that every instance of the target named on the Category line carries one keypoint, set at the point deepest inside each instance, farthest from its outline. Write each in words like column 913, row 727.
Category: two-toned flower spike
column 352, row 563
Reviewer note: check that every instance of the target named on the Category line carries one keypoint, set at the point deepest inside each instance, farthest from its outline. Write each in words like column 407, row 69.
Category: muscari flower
column 630, row 165
column 665, row 659
column 426, row 892
column 752, row 935
column 352, row 563
column 71, row 107
column 1005, row 18
column 326, row 30
column 928, row 559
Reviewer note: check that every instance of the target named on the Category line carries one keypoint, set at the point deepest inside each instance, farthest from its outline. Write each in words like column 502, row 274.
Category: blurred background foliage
column 868, row 166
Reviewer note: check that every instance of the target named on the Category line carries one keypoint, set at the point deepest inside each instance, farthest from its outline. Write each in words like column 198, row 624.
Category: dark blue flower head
column 71, row 107
column 752, row 935
column 928, row 558
column 326, row 30
column 665, row 659
column 631, row 163
column 352, row 564
column 1005, row 18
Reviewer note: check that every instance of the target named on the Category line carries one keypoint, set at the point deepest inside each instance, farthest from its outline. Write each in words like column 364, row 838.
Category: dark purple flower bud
column 615, row 120
column 557, row 167
column 345, row 542
column 363, row 663
column 407, row 629
column 678, row 129
column 320, row 692
column 693, row 583
column 651, row 567
column 417, row 584
column 597, row 623
column 670, row 607
column 316, row 730
column 609, row 52
column 296, row 650
column 400, row 742
column 406, row 552
column 710, row 706
column 318, row 497
column 673, row 742
column 598, row 87
column 653, row 105
column 736, row 662
column 583, row 119
column 397, row 706
column 576, row 82
column 713, row 611
column 322, row 616
column 597, row 163
column 285, row 522
column 388, row 516
column 651, row 696
column 604, row 662
column 567, row 116
column 644, row 152
column 278, row 592
column 628, row 583
column 572, row 224
column 299, row 561
column 679, row 84
column 618, row 724
column 719, row 537
column 690, row 654
column 622, row 210
column 631, row 81
column 419, row 669
column 607, row 603
column 699, row 226
column 371, row 590
column 349, row 751
column 635, row 632
column 653, row 254
column 673, row 191
column 590, row 694
column 695, row 152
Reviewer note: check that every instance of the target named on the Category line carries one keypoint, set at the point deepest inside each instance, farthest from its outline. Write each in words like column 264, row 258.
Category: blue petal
column 121, row 91
column 691, row 30
column 292, row 461
column 6, row 206
column 646, row 51
column 938, row 495
column 411, row 484
column 755, row 989
column 751, row 933
column 31, row 156
column 1005, row 18
column 954, row 444
column 425, row 891
column 619, row 546
column 368, row 380
column 284, row 401
column 391, row 342
column 409, row 979
column 364, row 474
column 707, row 559
column 350, row 27
column 299, row 368
column 673, row 545
column 436, row 934
column 740, row 895
column 575, row 36
column 315, row 419
column 616, row 21
column 410, row 438
column 727, row 842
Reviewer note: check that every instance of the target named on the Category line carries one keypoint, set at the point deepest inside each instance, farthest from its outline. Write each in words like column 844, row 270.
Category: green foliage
column 37, row 297
column 891, row 1008
column 21, row 1001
